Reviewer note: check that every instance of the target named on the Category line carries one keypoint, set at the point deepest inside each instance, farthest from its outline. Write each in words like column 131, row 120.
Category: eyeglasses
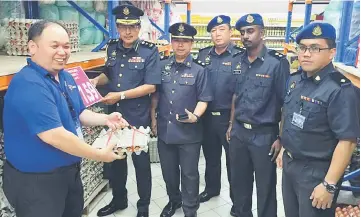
column 312, row 49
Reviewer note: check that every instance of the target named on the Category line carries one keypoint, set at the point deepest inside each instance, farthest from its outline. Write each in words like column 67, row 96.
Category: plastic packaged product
column 68, row 14
column 84, row 22
column 49, row 12
column 87, row 35
column 11, row 9
column 333, row 13
column 355, row 21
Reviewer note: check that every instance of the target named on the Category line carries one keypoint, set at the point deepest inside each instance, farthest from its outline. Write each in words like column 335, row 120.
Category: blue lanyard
column 66, row 96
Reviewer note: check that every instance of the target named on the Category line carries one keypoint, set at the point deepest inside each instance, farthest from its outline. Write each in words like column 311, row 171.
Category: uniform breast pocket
column 261, row 88
column 166, row 78
column 187, row 85
column 316, row 114
column 137, row 70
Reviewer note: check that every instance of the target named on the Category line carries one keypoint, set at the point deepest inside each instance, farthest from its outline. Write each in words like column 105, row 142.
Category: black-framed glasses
column 312, row 49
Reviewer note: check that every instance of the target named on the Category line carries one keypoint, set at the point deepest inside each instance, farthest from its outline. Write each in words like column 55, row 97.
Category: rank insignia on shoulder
column 164, row 57
column 339, row 78
column 276, row 54
column 199, row 62
column 147, row 44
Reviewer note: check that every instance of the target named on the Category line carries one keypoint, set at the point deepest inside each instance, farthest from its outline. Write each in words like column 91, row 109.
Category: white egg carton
column 128, row 140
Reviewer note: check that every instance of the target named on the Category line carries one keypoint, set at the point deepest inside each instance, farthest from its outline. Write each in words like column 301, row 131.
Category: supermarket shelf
column 209, row 38
column 350, row 72
column 103, row 185
column 85, row 58
column 274, row 38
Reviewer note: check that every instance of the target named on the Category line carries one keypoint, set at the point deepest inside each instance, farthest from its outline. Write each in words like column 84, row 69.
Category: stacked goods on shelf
column 17, row 35
column 12, row 9
column 275, row 30
column 91, row 171
column 347, row 211
column 62, row 10
column 5, row 208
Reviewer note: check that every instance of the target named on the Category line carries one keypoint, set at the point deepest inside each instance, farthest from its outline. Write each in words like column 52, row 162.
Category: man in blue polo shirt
column 43, row 115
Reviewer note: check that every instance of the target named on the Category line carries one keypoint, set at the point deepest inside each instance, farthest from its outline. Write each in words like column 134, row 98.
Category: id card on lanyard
column 72, row 111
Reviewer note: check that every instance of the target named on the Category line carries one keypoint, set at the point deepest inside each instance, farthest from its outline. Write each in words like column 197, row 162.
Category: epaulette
column 276, row 54
column 239, row 50
column 296, row 73
column 164, row 57
column 339, row 78
column 147, row 44
column 113, row 41
column 199, row 62
column 205, row 48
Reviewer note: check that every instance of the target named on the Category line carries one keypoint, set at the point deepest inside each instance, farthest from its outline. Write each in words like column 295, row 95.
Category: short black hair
column 37, row 28
column 331, row 43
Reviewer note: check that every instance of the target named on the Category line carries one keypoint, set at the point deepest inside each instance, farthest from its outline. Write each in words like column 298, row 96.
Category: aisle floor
column 216, row 207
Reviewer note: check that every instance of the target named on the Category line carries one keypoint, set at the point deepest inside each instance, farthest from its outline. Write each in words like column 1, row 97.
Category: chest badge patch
column 187, row 75
column 308, row 99
column 262, row 76
column 208, row 59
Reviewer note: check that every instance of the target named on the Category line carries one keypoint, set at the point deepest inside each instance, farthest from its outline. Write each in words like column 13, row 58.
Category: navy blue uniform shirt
column 318, row 112
column 221, row 76
column 260, row 88
column 35, row 103
column 130, row 68
column 183, row 86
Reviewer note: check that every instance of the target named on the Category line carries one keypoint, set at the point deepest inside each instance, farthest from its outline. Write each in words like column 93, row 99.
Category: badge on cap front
column 126, row 11
column 317, row 31
column 219, row 20
column 250, row 19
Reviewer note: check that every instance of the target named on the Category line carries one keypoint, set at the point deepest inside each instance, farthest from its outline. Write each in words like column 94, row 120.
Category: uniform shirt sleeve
column 282, row 76
column 36, row 105
column 343, row 112
column 152, row 68
column 204, row 92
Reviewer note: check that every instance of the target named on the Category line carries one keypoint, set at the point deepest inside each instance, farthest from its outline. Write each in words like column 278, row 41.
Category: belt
column 267, row 127
column 75, row 165
column 219, row 113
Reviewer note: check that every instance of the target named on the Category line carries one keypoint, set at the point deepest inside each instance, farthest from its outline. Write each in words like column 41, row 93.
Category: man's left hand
column 191, row 118
column 115, row 121
column 321, row 198
column 111, row 98
column 275, row 149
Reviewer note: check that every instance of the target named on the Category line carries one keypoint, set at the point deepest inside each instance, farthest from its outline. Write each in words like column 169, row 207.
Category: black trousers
column 299, row 178
column 215, row 129
column 56, row 194
column 249, row 154
column 180, row 164
column 119, row 175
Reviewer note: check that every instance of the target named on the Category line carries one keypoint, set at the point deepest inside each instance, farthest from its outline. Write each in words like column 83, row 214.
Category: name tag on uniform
column 298, row 120
column 216, row 113
column 187, row 75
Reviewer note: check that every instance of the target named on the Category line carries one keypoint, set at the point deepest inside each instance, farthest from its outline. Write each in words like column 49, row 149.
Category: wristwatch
column 330, row 187
column 122, row 95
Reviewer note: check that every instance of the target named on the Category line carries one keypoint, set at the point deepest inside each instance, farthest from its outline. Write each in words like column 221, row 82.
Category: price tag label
column 88, row 92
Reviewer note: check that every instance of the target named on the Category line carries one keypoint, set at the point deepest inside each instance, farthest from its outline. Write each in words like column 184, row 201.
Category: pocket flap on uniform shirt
column 136, row 65
column 311, row 107
column 262, row 81
column 187, row 81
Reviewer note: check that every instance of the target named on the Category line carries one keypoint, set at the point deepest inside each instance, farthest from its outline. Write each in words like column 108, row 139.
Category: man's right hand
column 228, row 133
column 154, row 127
column 94, row 81
column 107, row 154
column 279, row 159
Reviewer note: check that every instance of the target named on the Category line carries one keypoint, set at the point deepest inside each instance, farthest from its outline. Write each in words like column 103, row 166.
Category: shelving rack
column 350, row 72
